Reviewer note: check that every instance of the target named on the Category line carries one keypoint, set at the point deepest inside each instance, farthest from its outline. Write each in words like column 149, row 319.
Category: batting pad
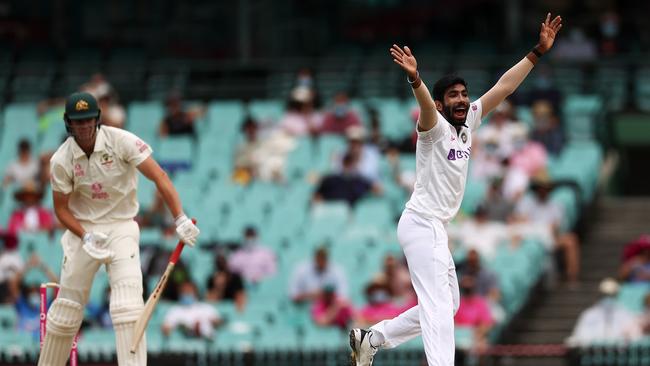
column 126, row 301
column 63, row 321
column 123, row 338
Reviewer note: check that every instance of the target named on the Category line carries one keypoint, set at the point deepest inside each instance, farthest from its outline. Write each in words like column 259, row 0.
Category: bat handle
column 179, row 248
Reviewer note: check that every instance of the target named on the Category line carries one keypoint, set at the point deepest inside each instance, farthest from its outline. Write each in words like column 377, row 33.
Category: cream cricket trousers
column 433, row 275
column 77, row 274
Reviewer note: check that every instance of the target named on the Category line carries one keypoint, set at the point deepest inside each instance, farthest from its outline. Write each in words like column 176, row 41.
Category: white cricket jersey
column 442, row 158
column 102, row 187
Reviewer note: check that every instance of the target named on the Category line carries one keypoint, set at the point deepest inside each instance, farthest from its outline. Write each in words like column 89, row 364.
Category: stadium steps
column 552, row 312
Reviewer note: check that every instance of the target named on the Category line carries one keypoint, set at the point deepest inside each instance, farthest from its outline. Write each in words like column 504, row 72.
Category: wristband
column 536, row 52
column 417, row 77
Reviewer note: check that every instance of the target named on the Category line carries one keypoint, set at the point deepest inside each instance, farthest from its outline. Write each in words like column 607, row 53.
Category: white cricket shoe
column 362, row 351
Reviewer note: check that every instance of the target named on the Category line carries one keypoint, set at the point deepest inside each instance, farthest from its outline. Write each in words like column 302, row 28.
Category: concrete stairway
column 552, row 312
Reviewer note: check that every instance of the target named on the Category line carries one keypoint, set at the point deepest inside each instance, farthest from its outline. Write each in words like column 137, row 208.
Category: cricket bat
column 141, row 323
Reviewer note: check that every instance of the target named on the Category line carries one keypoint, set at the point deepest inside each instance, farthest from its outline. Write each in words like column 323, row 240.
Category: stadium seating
column 357, row 238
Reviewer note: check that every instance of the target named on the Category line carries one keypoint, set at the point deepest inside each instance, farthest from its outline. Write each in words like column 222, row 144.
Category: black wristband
column 536, row 52
column 417, row 77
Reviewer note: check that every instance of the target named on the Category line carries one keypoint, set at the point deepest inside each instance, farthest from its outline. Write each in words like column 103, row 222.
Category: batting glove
column 95, row 244
column 186, row 230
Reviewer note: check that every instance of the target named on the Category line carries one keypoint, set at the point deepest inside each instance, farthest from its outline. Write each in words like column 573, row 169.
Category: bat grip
column 179, row 248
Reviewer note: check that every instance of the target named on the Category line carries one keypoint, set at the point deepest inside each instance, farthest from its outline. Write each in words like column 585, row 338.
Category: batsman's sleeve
column 60, row 177
column 132, row 149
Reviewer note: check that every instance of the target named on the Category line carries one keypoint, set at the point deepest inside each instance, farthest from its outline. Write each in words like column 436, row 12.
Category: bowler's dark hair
column 445, row 83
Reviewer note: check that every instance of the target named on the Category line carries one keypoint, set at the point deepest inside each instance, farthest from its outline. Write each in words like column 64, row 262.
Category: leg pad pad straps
column 64, row 317
column 126, row 302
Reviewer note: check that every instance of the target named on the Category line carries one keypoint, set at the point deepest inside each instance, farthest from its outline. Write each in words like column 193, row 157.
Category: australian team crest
column 463, row 137
column 81, row 105
column 107, row 160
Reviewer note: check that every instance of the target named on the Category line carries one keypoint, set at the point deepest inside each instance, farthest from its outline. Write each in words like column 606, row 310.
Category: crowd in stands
column 510, row 156
column 622, row 315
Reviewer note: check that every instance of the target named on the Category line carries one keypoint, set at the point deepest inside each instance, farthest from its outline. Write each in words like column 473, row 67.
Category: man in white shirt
column 309, row 278
column 25, row 168
column 443, row 149
column 94, row 180
column 198, row 319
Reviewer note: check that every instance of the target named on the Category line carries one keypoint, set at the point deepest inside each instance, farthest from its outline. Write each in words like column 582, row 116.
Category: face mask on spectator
column 340, row 110
column 34, row 300
column 379, row 297
column 187, row 299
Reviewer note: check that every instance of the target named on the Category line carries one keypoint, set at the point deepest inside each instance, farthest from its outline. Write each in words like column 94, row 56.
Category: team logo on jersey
column 78, row 170
column 98, row 191
column 463, row 136
column 81, row 105
column 107, row 160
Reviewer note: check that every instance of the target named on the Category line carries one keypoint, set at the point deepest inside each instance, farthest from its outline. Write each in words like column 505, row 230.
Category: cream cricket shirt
column 442, row 159
column 102, row 187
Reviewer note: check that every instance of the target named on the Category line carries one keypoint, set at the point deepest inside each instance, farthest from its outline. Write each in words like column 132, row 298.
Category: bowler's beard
column 448, row 113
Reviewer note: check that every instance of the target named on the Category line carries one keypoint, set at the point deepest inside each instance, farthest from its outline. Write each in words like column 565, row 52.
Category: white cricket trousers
column 77, row 274
column 433, row 275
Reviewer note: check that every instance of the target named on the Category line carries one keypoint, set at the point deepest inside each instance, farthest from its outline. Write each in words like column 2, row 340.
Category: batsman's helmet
column 79, row 106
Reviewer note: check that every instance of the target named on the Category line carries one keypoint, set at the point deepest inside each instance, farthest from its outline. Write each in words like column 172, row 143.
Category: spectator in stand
column 487, row 161
column 497, row 206
column 377, row 138
column 544, row 88
column 547, row 129
column 113, row 113
column 576, row 47
column 24, row 169
column 100, row 314
column 541, row 210
column 637, row 268
column 380, row 305
column 331, row 310
column 481, row 234
column 158, row 216
column 30, row 215
column 301, row 117
column 261, row 158
column 11, row 267
column 502, row 126
column 486, row 282
column 27, row 304
column 340, row 117
column 197, row 319
column 397, row 279
column 348, row 185
column 607, row 320
column 367, row 155
column 224, row 285
column 247, row 156
column 252, row 260
column 527, row 156
column 474, row 311
column 310, row 277
column 177, row 121
column 610, row 34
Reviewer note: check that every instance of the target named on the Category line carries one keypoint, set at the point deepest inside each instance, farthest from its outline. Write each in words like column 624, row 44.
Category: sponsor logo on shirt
column 474, row 107
column 141, row 145
column 463, row 137
column 459, row 154
column 78, row 170
column 98, row 192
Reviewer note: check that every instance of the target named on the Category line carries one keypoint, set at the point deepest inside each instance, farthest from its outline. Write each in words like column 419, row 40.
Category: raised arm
column 509, row 82
column 428, row 115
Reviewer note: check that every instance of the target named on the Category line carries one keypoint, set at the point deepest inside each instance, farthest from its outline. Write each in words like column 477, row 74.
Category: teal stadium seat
column 143, row 119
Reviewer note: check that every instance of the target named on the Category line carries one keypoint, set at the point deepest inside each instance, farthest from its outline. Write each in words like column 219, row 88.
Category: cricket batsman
column 94, row 179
